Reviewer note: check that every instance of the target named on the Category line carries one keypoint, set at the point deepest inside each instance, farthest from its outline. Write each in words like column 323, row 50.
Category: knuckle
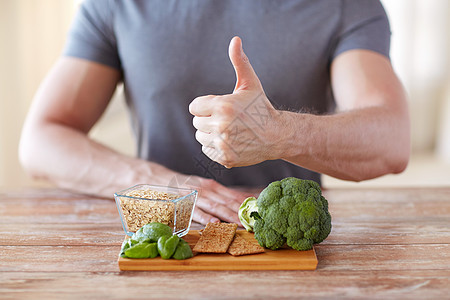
column 208, row 183
column 213, row 206
column 225, row 161
column 228, row 160
column 193, row 105
column 195, row 121
column 191, row 109
column 197, row 136
column 228, row 164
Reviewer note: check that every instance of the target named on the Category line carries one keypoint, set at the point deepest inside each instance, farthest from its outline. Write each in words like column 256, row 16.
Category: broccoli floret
column 266, row 236
column 291, row 211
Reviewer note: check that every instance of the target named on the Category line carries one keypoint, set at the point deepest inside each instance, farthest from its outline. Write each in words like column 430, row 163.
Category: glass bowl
column 144, row 203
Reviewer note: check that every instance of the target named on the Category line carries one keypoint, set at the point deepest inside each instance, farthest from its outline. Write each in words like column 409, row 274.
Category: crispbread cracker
column 240, row 246
column 216, row 238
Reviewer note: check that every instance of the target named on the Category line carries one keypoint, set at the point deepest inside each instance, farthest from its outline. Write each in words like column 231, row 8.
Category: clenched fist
column 242, row 128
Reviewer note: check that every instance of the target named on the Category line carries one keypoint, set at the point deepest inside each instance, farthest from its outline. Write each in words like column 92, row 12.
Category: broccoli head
column 291, row 211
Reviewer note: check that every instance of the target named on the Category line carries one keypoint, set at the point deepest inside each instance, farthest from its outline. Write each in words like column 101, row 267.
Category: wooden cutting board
column 282, row 259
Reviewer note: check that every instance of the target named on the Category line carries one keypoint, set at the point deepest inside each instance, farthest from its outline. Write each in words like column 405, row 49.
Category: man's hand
column 241, row 128
column 368, row 138
column 215, row 202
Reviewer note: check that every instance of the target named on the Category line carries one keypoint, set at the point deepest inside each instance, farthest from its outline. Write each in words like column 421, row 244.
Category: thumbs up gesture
column 242, row 128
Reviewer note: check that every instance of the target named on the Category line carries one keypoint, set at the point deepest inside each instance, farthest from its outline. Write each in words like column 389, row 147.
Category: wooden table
column 385, row 243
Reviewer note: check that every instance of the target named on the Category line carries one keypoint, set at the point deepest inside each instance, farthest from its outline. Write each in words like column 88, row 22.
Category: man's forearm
column 355, row 145
column 71, row 160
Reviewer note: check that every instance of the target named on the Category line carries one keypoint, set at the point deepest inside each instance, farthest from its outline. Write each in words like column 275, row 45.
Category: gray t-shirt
column 173, row 51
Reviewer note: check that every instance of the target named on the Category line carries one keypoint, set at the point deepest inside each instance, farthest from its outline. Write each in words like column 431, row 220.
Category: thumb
column 246, row 78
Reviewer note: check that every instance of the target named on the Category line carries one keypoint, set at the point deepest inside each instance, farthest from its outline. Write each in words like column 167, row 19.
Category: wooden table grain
column 385, row 243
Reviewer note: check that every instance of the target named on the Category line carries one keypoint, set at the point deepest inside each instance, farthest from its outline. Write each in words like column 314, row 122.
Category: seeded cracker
column 216, row 238
column 241, row 246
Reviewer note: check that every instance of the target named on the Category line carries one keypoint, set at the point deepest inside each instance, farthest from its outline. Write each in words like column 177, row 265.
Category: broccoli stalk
column 245, row 211
column 291, row 211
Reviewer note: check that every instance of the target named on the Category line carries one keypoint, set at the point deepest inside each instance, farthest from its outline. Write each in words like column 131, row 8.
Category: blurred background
column 32, row 34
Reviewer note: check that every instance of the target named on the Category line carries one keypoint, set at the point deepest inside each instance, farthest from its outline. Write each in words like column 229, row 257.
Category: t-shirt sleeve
column 91, row 35
column 364, row 25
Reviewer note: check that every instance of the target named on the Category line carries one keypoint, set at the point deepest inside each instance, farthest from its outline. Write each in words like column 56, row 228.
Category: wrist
column 156, row 174
column 289, row 136
column 276, row 135
column 148, row 172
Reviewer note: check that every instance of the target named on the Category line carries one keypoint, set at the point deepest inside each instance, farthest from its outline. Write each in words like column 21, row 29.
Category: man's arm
column 368, row 137
column 55, row 145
